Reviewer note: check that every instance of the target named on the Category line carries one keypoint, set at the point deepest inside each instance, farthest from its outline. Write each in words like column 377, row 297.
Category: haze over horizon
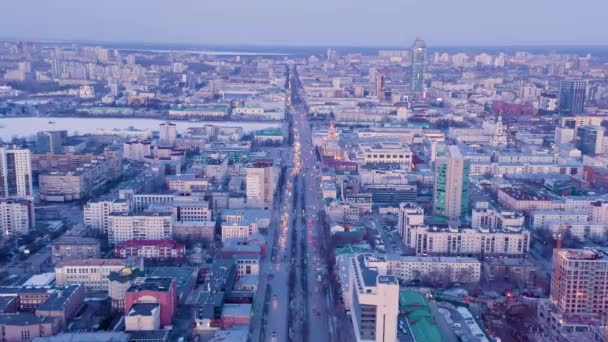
column 309, row 23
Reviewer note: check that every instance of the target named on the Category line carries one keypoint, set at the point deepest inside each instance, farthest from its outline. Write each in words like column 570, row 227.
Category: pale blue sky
column 310, row 22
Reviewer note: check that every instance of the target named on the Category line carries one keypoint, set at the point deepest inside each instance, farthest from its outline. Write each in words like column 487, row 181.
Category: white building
column 242, row 229
column 92, row 273
column 260, row 185
column 510, row 242
column 375, row 299
column 16, row 217
column 447, row 269
column 136, row 150
column 191, row 211
column 599, row 212
column 490, row 218
column 186, row 184
column 97, row 214
column 544, row 218
column 410, row 215
column 385, row 153
column 141, row 226
column 582, row 231
column 15, row 173
column 167, row 133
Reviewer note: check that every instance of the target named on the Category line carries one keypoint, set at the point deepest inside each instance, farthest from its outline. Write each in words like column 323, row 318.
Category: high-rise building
column 451, row 184
column 410, row 215
column 15, row 173
column 379, row 85
column 260, row 184
column 579, row 281
column 572, row 96
column 375, row 299
column 168, row 133
column 51, row 141
column 418, row 65
column 590, row 139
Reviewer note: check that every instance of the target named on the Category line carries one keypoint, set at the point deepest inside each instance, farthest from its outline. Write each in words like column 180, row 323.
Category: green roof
column 349, row 250
column 419, row 317
column 269, row 132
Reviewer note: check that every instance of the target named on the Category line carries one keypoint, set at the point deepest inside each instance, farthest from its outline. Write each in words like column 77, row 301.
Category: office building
column 451, row 184
column 167, row 133
column 260, row 184
column 15, row 172
column 418, row 66
column 579, row 281
column 572, row 96
column 375, row 299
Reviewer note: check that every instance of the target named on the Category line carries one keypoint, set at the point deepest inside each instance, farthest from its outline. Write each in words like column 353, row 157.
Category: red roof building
column 151, row 249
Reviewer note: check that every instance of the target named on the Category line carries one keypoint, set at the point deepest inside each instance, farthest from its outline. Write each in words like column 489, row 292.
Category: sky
column 309, row 22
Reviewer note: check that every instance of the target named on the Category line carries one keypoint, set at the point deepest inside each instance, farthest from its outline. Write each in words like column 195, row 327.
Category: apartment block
column 140, row 226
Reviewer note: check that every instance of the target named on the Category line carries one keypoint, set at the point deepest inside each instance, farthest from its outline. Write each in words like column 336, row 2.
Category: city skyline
column 278, row 23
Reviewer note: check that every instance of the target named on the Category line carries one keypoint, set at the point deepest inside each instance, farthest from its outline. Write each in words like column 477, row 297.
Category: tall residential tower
column 451, row 184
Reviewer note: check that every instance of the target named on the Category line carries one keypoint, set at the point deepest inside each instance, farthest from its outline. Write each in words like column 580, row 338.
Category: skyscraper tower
column 572, row 96
column 418, row 65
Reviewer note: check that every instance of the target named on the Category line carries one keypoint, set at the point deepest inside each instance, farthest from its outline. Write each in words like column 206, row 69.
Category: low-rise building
column 242, row 229
column 63, row 304
column 92, row 273
column 545, row 218
column 160, row 250
column 75, row 247
column 194, row 231
column 17, row 327
column 435, row 269
column 143, row 317
column 386, row 152
column 510, row 242
column 156, row 290
column 140, row 226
